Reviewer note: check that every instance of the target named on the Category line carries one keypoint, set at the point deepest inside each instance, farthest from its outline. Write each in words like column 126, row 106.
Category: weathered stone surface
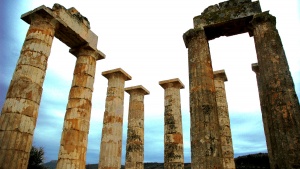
column 111, row 141
column 173, row 139
column 224, row 122
column 279, row 100
column 135, row 131
column 20, row 110
column 227, row 18
column 264, row 113
column 74, row 29
column 205, row 136
column 73, row 143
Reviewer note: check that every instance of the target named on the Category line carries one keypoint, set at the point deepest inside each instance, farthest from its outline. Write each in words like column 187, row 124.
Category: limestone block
column 35, row 74
column 83, row 80
column 20, row 106
column 24, row 88
column 80, row 93
column 79, row 103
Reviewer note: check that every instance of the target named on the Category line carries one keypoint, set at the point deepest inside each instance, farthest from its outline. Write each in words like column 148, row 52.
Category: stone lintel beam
column 108, row 73
column 97, row 54
column 171, row 83
column 73, row 29
column 138, row 88
column 227, row 18
column 220, row 74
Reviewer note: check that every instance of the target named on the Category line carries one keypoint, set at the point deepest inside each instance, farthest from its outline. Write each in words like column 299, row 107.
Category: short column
column 20, row 109
column 224, row 121
column 264, row 112
column 73, row 144
column 135, row 131
column 173, row 139
column 205, row 134
column 111, row 141
column 279, row 94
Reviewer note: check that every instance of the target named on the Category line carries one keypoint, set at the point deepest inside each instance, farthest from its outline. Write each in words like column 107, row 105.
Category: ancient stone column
column 73, row 144
column 173, row 139
column 20, row 110
column 278, row 92
column 205, row 134
column 264, row 112
column 224, row 121
column 111, row 141
column 135, row 131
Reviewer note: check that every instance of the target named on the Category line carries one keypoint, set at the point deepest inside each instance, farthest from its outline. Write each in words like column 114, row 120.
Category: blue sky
column 145, row 39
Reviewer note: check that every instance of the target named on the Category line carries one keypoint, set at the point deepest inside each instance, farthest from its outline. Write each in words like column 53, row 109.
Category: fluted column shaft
column 224, row 121
column 135, row 131
column 173, row 138
column 205, row 136
column 20, row 109
column 111, row 141
column 264, row 113
column 279, row 96
column 73, row 145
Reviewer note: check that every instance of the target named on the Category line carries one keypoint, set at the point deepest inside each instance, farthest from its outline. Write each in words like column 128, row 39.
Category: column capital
column 190, row 34
column 171, row 83
column 255, row 67
column 98, row 55
column 120, row 71
column 220, row 75
column 139, row 88
column 263, row 18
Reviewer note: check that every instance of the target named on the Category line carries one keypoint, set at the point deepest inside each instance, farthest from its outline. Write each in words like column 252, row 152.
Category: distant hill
column 253, row 161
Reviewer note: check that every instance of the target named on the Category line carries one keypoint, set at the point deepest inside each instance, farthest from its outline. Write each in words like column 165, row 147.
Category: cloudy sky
column 144, row 37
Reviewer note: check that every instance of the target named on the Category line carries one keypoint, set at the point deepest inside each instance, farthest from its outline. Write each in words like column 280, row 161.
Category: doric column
column 111, row 141
column 279, row 96
column 20, row 110
column 173, row 147
column 205, row 136
column 135, row 131
column 224, row 121
column 264, row 113
column 73, row 144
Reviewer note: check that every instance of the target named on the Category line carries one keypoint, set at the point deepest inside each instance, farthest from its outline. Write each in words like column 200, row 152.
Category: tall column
column 264, row 112
column 224, row 121
column 20, row 109
column 205, row 136
column 73, row 144
column 173, row 147
column 279, row 96
column 111, row 141
column 135, row 131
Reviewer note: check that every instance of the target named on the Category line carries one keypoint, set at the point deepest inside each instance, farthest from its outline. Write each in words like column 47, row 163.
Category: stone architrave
column 173, row 139
column 135, row 131
column 111, row 141
column 205, row 134
column 278, row 93
column 264, row 112
column 20, row 109
column 73, row 145
column 224, row 122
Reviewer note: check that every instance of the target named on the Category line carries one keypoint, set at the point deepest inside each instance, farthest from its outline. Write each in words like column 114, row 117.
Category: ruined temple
column 211, row 142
